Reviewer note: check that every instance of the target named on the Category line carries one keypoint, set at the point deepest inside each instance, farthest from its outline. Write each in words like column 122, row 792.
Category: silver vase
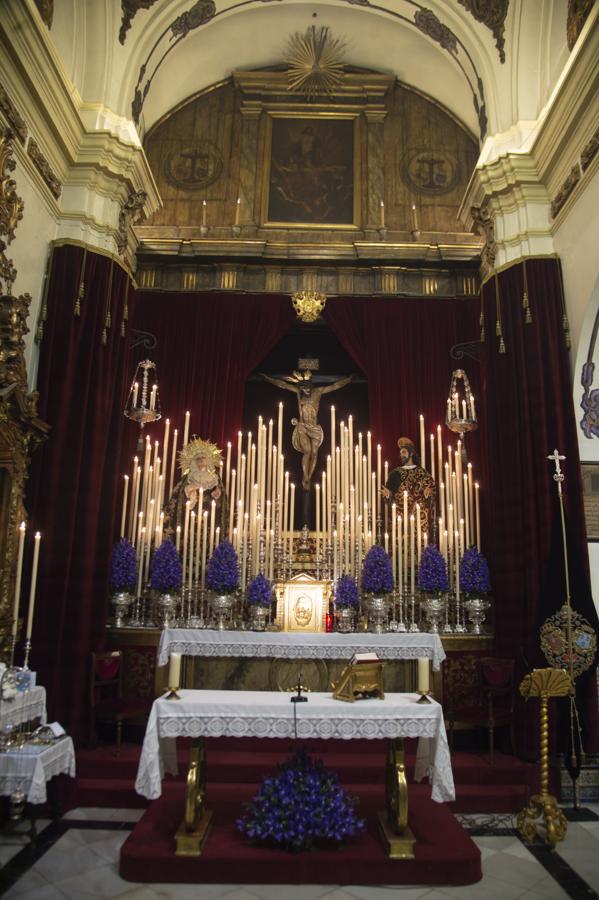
column 434, row 611
column 477, row 612
column 377, row 611
column 345, row 619
column 259, row 617
column 120, row 605
column 167, row 605
column 222, row 609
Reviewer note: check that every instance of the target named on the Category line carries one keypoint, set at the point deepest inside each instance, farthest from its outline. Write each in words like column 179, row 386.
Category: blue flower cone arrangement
column 301, row 807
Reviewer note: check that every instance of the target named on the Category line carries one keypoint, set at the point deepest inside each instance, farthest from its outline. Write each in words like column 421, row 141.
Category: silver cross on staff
column 558, row 475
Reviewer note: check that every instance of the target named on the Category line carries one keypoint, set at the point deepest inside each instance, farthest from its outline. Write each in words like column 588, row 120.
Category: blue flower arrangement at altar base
column 347, row 595
column 301, row 806
column 123, row 567
column 260, row 591
column 222, row 572
column 166, row 569
column 432, row 572
column 474, row 573
column 377, row 577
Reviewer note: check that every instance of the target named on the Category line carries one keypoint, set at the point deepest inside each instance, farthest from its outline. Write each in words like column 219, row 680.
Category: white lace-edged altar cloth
column 271, row 715
column 30, row 768
column 294, row 645
column 24, row 707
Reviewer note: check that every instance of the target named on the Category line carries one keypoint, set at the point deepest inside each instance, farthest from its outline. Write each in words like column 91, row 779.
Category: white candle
column 124, row 513
column 280, row 429
column 472, row 407
column 186, row 536
column 228, row 471
column 174, row 671
column 464, row 409
column 432, row 468
column 186, row 428
column 477, row 502
column 153, row 396
column 135, row 393
column 192, row 525
column 422, row 443
column 204, row 542
column 178, row 538
column 414, row 217
column 142, row 535
column 212, row 516
column 393, row 540
column 203, row 212
column 173, row 462
column 15, row 614
column 423, row 676
column 412, row 555
column 291, row 519
column 36, row 553
column 382, row 213
column 237, row 205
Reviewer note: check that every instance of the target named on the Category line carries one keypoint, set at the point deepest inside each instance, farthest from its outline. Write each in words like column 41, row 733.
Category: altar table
column 24, row 707
column 271, row 714
column 30, row 767
column 298, row 645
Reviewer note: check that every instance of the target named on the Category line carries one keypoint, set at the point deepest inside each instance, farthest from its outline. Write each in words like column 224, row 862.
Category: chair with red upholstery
column 479, row 694
column 107, row 703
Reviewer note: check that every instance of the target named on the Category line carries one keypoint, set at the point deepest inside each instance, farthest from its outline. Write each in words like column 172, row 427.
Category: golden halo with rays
column 198, row 447
column 314, row 62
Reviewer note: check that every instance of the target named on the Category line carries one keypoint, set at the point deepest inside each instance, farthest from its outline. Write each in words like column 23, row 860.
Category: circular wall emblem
column 431, row 171
column 193, row 166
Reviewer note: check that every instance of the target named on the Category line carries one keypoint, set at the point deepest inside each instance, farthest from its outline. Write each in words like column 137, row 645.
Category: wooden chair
column 479, row 694
column 107, row 703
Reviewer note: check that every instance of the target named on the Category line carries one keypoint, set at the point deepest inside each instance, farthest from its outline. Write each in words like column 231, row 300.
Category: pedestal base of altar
column 443, row 853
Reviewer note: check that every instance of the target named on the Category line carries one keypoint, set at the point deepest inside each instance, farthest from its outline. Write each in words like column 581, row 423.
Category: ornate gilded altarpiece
column 21, row 430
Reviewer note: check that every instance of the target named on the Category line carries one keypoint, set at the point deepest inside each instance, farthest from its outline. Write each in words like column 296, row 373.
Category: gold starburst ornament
column 314, row 62
column 308, row 304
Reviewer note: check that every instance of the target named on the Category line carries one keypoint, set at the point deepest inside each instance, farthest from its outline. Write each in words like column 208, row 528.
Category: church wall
column 414, row 127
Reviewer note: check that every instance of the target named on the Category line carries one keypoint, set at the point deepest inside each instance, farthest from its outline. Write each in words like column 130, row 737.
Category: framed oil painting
column 311, row 166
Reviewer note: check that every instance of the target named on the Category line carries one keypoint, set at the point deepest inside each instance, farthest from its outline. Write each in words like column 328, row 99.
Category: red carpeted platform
column 445, row 854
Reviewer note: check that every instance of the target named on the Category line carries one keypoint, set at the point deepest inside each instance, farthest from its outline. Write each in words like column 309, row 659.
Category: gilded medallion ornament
column 555, row 642
column 314, row 62
column 308, row 304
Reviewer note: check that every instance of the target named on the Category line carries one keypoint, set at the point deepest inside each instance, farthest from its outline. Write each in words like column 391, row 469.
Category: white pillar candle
column 192, row 525
column 422, row 443
column 382, row 213
column 174, row 671
column 291, row 519
column 329, row 495
column 477, row 516
column 232, row 504
column 280, row 429
column 153, row 396
column 212, row 522
column 412, row 557
column 204, row 543
column 186, row 536
column 228, row 471
column 186, row 428
column 124, row 513
column 135, row 394
column 472, row 408
column 414, row 217
column 399, row 556
column 204, row 213
column 36, row 553
column 378, row 480
column 468, row 539
column 393, row 540
column 317, row 502
column 423, row 676
column 140, row 567
column 19, row 575
column 386, row 543
column 418, row 531
column 350, row 449
column 432, row 449
column 237, row 205
column 173, row 462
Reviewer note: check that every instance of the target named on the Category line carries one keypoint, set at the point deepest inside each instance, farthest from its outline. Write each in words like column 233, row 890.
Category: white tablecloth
column 23, row 707
column 271, row 714
column 294, row 645
column 31, row 767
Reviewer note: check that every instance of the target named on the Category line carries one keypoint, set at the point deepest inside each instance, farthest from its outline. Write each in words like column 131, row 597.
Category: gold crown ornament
column 197, row 447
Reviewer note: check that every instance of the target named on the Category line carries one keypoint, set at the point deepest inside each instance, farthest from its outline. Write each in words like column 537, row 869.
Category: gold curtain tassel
column 123, row 328
column 497, row 328
column 526, row 308
column 482, row 336
column 39, row 334
column 104, row 336
column 501, row 345
column 77, row 308
column 108, row 319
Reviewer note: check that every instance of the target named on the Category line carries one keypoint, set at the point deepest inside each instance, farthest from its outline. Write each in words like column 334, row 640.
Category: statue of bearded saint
column 200, row 484
column 419, row 485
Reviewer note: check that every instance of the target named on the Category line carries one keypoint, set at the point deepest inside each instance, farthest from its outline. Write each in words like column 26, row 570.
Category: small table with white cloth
column 200, row 714
column 25, row 706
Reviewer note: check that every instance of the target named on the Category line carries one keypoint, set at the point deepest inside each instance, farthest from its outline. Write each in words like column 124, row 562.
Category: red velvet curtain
column 529, row 413
column 72, row 495
column 207, row 345
column 403, row 348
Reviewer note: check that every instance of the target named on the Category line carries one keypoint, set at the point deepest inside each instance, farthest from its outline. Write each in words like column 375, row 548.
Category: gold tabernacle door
column 302, row 604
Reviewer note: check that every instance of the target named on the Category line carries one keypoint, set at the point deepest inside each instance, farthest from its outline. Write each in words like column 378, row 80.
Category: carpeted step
column 114, row 792
column 444, row 852
column 489, row 798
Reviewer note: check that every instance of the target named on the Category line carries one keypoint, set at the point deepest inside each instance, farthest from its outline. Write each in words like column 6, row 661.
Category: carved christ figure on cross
column 307, row 433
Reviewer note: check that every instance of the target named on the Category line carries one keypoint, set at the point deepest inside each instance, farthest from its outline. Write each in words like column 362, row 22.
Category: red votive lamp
column 329, row 623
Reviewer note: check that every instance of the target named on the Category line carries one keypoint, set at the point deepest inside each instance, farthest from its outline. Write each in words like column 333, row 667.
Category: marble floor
column 77, row 858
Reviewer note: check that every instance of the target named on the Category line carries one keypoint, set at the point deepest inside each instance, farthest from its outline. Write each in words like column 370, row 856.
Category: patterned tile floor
column 77, row 858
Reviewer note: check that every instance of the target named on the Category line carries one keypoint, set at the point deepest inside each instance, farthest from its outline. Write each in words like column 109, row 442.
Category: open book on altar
column 363, row 658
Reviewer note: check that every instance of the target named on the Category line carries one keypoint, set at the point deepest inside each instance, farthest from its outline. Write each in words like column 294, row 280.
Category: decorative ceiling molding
column 424, row 20
column 46, row 11
column 491, row 13
column 11, row 211
column 13, row 116
column 578, row 11
column 43, row 166
column 130, row 9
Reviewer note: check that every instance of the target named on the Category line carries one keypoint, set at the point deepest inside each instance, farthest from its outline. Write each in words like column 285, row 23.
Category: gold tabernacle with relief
column 361, row 678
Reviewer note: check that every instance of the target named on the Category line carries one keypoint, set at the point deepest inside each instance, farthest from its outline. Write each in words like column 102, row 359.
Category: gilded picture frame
column 590, row 493
column 311, row 170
